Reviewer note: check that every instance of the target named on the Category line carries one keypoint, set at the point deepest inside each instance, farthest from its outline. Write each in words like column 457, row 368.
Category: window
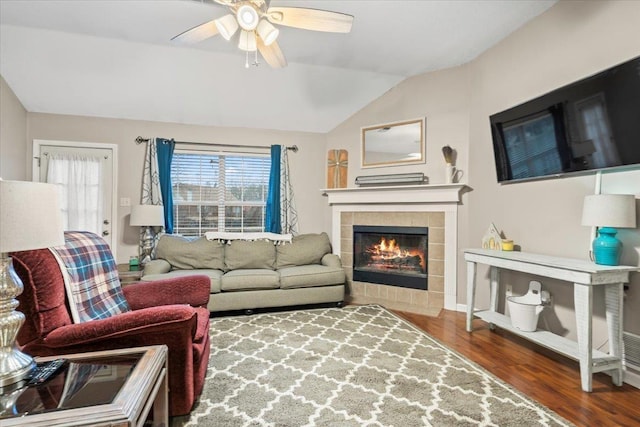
column 219, row 192
column 594, row 128
column 531, row 147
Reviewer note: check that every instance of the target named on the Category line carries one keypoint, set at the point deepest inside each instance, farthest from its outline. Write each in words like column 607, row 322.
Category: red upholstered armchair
column 171, row 312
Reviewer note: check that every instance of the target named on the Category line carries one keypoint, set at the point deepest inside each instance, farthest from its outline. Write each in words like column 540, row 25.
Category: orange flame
column 389, row 249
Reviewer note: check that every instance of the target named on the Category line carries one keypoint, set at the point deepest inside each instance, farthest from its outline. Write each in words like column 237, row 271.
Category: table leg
column 494, row 286
column 613, row 303
column 471, row 292
column 583, row 300
column 161, row 402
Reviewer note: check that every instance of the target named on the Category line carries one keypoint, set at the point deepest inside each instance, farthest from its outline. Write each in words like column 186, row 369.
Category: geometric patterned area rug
column 354, row 366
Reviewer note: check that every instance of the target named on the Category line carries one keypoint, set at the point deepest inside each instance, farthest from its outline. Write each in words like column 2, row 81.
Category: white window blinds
column 219, row 192
column 531, row 147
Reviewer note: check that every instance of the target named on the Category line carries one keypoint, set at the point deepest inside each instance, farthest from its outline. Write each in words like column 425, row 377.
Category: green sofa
column 250, row 274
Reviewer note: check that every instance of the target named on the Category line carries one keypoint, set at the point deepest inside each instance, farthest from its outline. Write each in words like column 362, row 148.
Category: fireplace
column 391, row 255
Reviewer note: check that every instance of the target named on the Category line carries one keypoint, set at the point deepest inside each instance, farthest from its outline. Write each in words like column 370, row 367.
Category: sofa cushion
column 304, row 249
column 250, row 279
column 241, row 254
column 307, row 276
column 157, row 266
column 184, row 253
column 214, row 276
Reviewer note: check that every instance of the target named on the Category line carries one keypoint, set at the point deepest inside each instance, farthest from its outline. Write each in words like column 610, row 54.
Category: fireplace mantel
column 405, row 198
column 397, row 194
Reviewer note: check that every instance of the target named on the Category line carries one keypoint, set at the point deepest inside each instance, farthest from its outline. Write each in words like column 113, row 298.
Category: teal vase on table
column 608, row 212
column 606, row 247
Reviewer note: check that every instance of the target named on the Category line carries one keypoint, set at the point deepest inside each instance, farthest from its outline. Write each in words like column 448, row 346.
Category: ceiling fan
column 255, row 20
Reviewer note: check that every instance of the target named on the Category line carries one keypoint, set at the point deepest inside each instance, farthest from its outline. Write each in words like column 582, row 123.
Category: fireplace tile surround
column 432, row 206
column 413, row 300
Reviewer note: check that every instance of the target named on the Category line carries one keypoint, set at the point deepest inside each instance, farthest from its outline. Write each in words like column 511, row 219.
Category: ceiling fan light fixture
column 248, row 17
column 247, row 41
column 267, row 32
column 227, row 26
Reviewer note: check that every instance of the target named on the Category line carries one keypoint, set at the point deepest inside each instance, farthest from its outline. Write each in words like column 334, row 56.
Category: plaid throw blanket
column 90, row 276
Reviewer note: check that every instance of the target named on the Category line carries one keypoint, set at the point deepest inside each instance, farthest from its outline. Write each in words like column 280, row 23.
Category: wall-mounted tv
column 592, row 124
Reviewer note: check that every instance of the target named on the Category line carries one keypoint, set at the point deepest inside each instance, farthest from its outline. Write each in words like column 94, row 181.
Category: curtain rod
column 139, row 140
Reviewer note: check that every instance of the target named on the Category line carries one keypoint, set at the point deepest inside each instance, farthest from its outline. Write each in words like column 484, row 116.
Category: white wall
column 307, row 170
column 13, row 135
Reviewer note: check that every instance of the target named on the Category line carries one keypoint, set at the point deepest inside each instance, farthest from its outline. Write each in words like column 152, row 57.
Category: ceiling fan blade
column 310, row 19
column 197, row 34
column 272, row 54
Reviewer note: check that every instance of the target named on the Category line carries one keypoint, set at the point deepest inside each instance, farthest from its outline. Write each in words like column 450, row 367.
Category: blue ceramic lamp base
column 606, row 247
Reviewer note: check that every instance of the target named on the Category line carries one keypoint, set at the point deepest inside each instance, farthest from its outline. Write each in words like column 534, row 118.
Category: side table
column 105, row 388
column 128, row 277
column 585, row 276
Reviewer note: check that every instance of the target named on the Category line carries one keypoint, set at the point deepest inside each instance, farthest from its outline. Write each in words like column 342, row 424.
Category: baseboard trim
column 632, row 378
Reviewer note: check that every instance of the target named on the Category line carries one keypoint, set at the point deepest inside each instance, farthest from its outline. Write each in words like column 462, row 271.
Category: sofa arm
column 193, row 290
column 157, row 266
column 331, row 260
column 121, row 327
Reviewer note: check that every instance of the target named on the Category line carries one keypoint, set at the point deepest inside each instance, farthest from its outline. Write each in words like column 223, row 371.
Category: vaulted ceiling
column 109, row 58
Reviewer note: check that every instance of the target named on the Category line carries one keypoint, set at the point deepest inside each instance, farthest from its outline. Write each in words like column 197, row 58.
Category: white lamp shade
column 248, row 17
column 147, row 216
column 609, row 210
column 30, row 216
column 247, row 41
column 267, row 32
column 227, row 26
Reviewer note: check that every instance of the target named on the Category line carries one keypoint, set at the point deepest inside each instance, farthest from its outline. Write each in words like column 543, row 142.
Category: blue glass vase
column 606, row 247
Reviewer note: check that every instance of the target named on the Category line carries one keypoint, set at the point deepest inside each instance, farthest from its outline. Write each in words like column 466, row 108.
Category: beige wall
column 570, row 41
column 441, row 97
column 306, row 170
column 13, row 135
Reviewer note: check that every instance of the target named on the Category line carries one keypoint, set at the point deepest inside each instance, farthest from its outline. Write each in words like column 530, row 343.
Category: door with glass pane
column 85, row 175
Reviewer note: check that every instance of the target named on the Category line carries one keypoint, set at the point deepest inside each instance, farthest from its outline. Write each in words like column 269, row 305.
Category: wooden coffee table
column 106, row 388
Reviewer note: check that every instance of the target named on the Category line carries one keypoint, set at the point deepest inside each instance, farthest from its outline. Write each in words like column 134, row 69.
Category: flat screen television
column 592, row 124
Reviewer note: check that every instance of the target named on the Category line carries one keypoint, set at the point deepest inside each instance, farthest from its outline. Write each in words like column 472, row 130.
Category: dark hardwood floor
column 549, row 378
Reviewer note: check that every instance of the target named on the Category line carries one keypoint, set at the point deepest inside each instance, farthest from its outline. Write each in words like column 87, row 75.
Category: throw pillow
column 250, row 254
column 304, row 249
column 187, row 254
column 90, row 277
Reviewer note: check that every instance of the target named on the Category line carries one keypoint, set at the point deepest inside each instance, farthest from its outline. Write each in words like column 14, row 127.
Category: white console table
column 584, row 275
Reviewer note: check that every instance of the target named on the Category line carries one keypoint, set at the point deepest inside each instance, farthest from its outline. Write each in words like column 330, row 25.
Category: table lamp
column 608, row 212
column 30, row 218
column 147, row 216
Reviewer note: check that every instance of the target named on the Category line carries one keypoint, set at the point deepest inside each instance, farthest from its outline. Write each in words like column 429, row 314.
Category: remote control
column 44, row 371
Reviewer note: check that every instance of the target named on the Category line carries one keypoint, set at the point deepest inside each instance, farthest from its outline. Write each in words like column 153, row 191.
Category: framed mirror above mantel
column 393, row 144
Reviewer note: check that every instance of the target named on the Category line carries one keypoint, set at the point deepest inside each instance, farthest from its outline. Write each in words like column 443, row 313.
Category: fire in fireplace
column 390, row 255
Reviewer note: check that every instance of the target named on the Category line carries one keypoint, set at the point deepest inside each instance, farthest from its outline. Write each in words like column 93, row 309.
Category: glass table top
column 79, row 383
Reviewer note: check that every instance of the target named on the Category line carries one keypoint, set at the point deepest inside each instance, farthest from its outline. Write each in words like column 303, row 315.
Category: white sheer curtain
column 80, row 178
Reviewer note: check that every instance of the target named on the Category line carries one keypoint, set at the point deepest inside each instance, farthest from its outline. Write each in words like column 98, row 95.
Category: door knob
column 105, row 233
column 105, row 222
